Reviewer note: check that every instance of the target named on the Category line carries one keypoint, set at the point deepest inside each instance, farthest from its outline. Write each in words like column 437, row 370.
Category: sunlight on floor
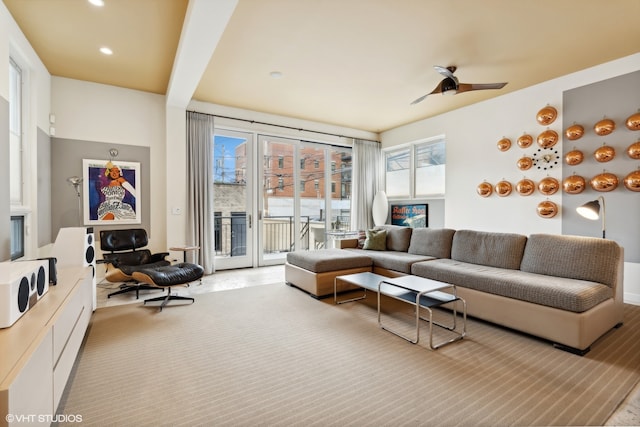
column 218, row 281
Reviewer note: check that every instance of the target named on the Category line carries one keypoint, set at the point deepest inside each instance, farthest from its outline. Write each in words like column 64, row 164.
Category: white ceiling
column 354, row 63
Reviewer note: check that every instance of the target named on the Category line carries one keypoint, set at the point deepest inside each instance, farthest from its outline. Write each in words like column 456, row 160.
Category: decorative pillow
column 362, row 236
column 376, row 240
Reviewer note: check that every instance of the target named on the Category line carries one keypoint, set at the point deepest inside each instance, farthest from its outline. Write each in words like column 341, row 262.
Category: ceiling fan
column 451, row 85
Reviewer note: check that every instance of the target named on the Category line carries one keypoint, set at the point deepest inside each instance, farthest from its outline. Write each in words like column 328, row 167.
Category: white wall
column 472, row 156
column 101, row 113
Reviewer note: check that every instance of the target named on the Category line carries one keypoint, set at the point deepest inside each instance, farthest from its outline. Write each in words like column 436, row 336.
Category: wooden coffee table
column 423, row 294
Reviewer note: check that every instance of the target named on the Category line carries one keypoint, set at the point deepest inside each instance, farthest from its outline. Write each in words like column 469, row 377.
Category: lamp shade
column 590, row 210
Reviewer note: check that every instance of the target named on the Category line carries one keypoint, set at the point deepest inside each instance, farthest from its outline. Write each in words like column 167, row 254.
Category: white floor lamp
column 76, row 181
column 591, row 210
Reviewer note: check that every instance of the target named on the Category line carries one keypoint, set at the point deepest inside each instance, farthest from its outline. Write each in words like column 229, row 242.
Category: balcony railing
column 278, row 234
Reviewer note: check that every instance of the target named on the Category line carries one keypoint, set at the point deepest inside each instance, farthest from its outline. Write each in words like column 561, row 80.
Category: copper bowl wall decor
column 525, row 163
column 484, row 189
column 604, row 182
column 574, row 184
column 604, row 127
column 525, row 141
column 548, row 138
column 604, row 154
column 633, row 122
column 503, row 188
column 632, row 181
column 504, row 144
column 634, row 150
column 525, row 187
column 574, row 157
column 548, row 186
column 574, row 132
column 547, row 115
column 547, row 209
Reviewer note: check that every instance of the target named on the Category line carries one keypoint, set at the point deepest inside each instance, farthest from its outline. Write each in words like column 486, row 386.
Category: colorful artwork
column 414, row 216
column 111, row 192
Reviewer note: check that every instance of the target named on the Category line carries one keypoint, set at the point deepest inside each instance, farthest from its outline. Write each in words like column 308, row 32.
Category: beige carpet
column 271, row 355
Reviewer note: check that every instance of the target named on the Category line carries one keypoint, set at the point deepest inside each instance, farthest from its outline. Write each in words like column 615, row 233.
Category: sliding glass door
column 276, row 196
column 306, row 192
column 233, row 199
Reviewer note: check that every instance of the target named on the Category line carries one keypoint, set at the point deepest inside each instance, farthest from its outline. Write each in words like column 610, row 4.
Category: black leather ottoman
column 167, row 276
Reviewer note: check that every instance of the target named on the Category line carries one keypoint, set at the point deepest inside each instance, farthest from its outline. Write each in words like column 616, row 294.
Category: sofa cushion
column 435, row 242
column 575, row 257
column 376, row 240
column 393, row 260
column 485, row 248
column 324, row 260
column 398, row 237
column 558, row 292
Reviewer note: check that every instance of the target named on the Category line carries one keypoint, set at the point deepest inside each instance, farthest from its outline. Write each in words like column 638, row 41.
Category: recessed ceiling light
column 97, row 2
column 106, row 50
column 276, row 74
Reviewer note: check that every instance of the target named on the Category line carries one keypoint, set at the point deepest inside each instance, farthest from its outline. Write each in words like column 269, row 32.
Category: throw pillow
column 376, row 240
column 362, row 236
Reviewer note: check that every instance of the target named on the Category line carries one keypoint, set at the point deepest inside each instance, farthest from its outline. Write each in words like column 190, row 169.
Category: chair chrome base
column 168, row 297
column 124, row 288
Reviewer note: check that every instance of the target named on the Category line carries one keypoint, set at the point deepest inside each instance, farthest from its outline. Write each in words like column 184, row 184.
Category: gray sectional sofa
column 566, row 289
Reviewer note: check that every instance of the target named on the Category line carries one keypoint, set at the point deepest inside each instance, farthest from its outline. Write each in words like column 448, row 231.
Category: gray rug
column 271, row 355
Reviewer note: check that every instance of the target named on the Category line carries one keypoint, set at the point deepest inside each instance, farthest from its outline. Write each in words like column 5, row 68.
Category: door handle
column 250, row 221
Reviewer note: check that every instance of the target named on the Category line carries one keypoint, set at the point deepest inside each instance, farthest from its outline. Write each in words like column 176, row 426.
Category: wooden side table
column 184, row 250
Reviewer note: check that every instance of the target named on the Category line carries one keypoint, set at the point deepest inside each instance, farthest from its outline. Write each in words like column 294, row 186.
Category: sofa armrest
column 348, row 243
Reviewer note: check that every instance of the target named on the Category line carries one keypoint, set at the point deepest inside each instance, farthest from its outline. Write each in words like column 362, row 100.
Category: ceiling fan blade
column 466, row 87
column 438, row 89
column 446, row 71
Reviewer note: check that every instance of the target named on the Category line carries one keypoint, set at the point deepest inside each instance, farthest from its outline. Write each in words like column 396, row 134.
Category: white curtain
column 200, row 222
column 366, row 180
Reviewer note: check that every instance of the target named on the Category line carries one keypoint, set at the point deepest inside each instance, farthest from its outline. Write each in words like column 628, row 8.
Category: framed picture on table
column 111, row 192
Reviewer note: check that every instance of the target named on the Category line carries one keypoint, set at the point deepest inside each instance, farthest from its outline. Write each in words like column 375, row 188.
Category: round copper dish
column 574, row 157
column 632, row 181
column 503, row 188
column 485, row 189
column 548, row 138
column 604, row 153
column 634, row 150
column 604, row 127
column 547, row 115
column 525, row 187
column 604, row 182
column 574, row 132
column 504, row 144
column 574, row 184
column 547, row 209
column 525, row 163
column 548, row 186
column 633, row 122
column 525, row 141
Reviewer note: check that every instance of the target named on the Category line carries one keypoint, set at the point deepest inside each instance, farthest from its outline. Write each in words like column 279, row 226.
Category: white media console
column 39, row 350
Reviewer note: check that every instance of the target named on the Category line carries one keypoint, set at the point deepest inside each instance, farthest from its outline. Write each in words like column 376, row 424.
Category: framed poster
column 111, row 192
column 414, row 216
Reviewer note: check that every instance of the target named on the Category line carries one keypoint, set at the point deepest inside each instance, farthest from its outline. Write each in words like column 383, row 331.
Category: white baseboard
column 630, row 298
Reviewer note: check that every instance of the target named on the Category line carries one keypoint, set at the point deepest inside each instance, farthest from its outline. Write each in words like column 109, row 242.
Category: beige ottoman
column 314, row 271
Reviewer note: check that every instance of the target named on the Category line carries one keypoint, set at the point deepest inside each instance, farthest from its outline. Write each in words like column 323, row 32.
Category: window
column 281, row 184
column 302, row 162
column 333, row 187
column 15, row 133
column 316, row 164
column 398, row 177
column 302, row 186
column 280, row 162
column 316, row 185
column 17, row 237
column 416, row 170
column 333, row 167
column 429, row 169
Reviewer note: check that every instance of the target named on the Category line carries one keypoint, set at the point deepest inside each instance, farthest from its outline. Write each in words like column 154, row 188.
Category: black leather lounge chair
column 122, row 251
